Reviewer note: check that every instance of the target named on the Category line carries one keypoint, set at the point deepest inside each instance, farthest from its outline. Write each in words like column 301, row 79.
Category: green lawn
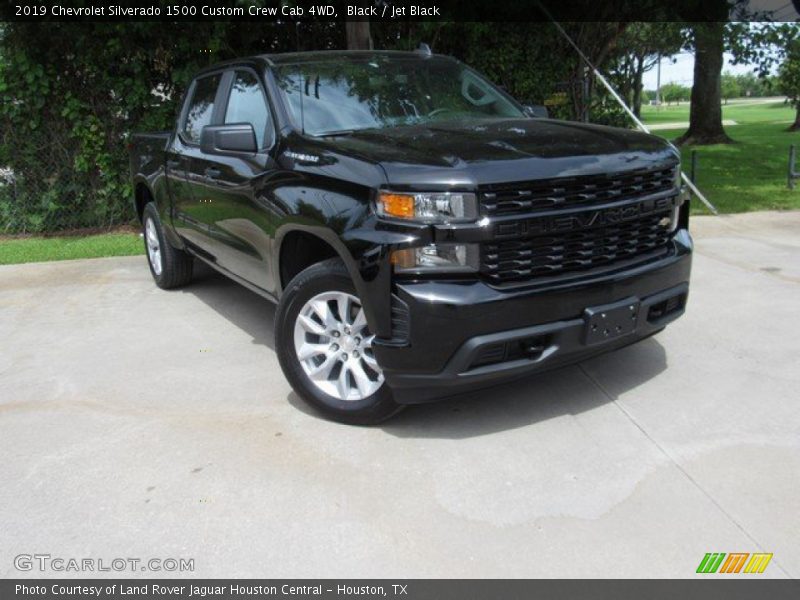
column 737, row 110
column 750, row 174
column 38, row 249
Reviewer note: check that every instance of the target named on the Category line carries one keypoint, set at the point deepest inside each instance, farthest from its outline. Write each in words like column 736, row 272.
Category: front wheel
column 325, row 347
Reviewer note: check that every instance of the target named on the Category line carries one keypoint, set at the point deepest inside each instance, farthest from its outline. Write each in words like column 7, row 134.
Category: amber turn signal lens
column 404, row 259
column 397, row 205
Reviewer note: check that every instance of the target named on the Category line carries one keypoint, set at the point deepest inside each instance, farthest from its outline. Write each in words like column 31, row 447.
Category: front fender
column 365, row 251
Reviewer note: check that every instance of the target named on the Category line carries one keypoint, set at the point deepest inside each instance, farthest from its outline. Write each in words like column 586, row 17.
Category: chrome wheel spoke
column 311, row 326
column 360, row 322
column 343, row 306
column 363, row 382
column 371, row 362
column 325, row 314
column 343, row 383
column 322, row 371
column 309, row 350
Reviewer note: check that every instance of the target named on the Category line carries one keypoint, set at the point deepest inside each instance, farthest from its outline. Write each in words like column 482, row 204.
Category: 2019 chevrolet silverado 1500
column 421, row 232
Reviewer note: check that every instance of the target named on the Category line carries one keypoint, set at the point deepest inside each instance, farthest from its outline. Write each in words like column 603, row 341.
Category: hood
column 478, row 152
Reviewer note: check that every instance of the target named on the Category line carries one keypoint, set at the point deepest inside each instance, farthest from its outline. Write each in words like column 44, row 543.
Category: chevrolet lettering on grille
column 585, row 219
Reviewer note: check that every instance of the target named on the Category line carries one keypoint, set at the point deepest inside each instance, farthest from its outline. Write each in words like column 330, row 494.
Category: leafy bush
column 69, row 106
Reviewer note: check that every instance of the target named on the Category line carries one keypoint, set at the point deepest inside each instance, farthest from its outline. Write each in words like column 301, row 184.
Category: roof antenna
column 641, row 126
column 424, row 49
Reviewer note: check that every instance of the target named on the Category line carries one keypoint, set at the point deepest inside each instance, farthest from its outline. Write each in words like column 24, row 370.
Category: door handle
column 212, row 173
column 173, row 164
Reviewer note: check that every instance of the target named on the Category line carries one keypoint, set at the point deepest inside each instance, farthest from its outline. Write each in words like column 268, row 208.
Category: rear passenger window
column 201, row 106
column 247, row 104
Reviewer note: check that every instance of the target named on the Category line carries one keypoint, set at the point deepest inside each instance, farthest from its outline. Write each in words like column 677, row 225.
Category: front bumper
column 466, row 334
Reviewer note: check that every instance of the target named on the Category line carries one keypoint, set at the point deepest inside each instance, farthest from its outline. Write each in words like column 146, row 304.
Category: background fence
column 51, row 195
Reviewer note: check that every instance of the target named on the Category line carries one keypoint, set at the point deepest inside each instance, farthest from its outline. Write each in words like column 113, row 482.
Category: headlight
column 437, row 258
column 435, row 207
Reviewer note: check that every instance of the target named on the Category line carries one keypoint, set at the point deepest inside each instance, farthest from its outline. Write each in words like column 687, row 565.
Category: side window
column 201, row 107
column 247, row 104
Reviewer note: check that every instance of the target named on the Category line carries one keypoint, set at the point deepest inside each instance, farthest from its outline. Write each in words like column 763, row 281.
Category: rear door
column 232, row 193
column 201, row 108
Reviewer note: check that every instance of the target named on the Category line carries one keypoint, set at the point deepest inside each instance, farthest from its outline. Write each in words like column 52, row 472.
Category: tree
column 674, row 92
column 789, row 80
column 772, row 43
column 598, row 41
column 705, row 112
column 752, row 86
column 640, row 48
column 709, row 40
column 358, row 35
column 82, row 94
column 729, row 86
column 532, row 61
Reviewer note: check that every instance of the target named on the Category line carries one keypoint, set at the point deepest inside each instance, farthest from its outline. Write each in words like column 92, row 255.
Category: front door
column 231, row 190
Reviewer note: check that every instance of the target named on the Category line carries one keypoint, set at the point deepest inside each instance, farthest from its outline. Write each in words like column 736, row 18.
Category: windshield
column 380, row 91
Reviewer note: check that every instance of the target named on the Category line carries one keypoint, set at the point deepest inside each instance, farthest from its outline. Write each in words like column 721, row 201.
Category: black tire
column 176, row 265
column 327, row 276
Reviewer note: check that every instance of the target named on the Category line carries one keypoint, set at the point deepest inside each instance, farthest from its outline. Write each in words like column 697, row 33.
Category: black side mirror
column 235, row 137
column 536, row 110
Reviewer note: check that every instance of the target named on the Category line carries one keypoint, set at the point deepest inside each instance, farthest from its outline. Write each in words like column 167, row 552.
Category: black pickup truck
column 422, row 232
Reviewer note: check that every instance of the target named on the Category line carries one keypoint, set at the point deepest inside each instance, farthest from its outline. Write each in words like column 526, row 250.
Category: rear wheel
column 169, row 266
column 325, row 347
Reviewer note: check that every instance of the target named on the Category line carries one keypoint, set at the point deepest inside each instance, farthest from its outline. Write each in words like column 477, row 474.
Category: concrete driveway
column 141, row 423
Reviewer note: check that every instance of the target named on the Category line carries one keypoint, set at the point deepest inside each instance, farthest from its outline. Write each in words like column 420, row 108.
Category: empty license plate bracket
column 610, row 321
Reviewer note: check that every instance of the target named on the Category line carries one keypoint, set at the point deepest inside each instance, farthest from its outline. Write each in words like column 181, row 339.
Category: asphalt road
column 138, row 423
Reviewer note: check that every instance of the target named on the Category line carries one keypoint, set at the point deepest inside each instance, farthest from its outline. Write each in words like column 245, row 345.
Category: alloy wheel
column 334, row 346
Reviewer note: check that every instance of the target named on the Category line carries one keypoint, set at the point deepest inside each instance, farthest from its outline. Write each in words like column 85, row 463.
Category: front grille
column 568, row 192
column 574, row 251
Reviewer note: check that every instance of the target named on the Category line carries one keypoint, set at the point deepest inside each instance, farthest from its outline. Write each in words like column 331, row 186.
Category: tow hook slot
column 532, row 348
column 666, row 308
